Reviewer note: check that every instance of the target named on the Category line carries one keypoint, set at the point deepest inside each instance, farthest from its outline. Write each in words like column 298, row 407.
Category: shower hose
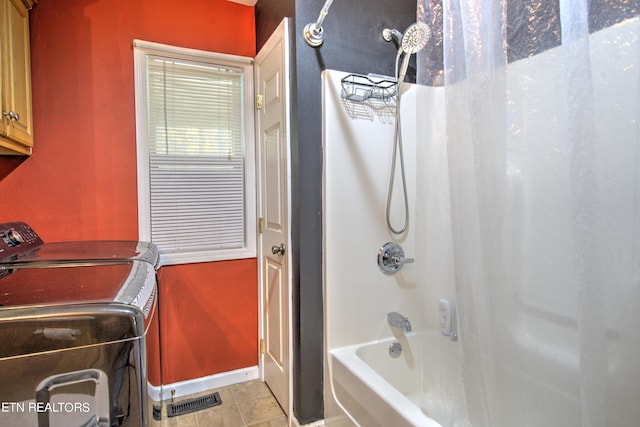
column 397, row 150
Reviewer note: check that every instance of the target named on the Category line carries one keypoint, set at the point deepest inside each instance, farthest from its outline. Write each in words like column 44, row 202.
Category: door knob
column 278, row 250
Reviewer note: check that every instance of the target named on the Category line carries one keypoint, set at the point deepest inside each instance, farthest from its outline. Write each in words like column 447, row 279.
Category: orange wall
column 210, row 321
column 80, row 182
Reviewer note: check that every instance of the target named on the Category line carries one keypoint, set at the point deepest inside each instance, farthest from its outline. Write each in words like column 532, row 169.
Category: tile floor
column 245, row 404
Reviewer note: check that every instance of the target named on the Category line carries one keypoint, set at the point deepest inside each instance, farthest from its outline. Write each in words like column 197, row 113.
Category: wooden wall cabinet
column 16, row 120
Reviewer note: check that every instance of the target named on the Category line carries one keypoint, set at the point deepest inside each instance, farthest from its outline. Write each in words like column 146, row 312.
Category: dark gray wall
column 269, row 14
column 353, row 43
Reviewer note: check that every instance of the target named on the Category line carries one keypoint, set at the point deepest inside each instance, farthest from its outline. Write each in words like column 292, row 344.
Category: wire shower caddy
column 359, row 88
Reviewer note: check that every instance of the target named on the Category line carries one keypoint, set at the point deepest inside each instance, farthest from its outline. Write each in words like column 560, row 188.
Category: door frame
column 280, row 34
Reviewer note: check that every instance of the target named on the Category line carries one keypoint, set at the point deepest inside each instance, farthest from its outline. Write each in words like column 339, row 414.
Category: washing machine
column 79, row 334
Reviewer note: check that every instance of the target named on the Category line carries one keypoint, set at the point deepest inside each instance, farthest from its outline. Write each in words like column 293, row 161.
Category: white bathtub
column 375, row 389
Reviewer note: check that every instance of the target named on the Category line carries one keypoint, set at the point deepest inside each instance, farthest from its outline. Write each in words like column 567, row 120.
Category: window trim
column 141, row 50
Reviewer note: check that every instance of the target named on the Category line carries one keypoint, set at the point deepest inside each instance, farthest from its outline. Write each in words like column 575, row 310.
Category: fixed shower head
column 414, row 38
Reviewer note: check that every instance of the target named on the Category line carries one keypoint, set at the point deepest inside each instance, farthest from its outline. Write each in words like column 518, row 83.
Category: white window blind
column 197, row 159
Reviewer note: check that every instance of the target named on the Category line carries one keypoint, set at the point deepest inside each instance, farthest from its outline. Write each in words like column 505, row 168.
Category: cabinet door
column 16, row 93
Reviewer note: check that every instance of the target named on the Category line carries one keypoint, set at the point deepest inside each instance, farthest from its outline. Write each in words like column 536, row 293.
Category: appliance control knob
column 13, row 238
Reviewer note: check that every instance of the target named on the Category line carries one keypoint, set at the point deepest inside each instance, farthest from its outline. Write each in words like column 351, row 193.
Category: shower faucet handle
column 396, row 260
column 391, row 258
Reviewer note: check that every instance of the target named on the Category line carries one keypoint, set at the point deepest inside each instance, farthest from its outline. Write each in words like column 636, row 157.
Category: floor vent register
column 193, row 405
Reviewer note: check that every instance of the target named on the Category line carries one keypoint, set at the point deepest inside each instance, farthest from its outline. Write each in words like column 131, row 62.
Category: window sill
column 204, row 256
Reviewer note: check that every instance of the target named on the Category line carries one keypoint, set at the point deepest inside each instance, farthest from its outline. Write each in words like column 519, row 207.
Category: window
column 196, row 178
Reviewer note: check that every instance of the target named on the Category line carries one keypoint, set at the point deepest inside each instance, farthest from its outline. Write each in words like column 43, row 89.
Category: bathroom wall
column 80, row 182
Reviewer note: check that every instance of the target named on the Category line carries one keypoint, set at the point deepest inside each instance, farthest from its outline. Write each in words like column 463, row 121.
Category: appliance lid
column 130, row 282
column 89, row 251
column 19, row 243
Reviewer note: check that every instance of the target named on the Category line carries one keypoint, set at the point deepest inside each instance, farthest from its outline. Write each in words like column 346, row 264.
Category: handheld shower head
column 414, row 38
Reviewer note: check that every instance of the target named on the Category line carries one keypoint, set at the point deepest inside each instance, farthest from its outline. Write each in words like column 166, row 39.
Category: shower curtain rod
column 313, row 34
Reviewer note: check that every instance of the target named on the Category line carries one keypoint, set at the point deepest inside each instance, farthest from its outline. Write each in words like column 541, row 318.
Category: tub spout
column 399, row 321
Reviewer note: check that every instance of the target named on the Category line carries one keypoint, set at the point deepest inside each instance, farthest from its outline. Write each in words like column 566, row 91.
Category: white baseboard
column 198, row 385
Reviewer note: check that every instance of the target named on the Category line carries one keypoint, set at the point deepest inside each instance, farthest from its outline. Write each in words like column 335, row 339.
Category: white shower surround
column 358, row 146
column 357, row 159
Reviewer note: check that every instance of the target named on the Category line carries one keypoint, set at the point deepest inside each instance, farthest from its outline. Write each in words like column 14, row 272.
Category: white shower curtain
column 542, row 132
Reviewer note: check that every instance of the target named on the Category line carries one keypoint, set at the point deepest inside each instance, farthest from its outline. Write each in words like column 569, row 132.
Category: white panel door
column 272, row 134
